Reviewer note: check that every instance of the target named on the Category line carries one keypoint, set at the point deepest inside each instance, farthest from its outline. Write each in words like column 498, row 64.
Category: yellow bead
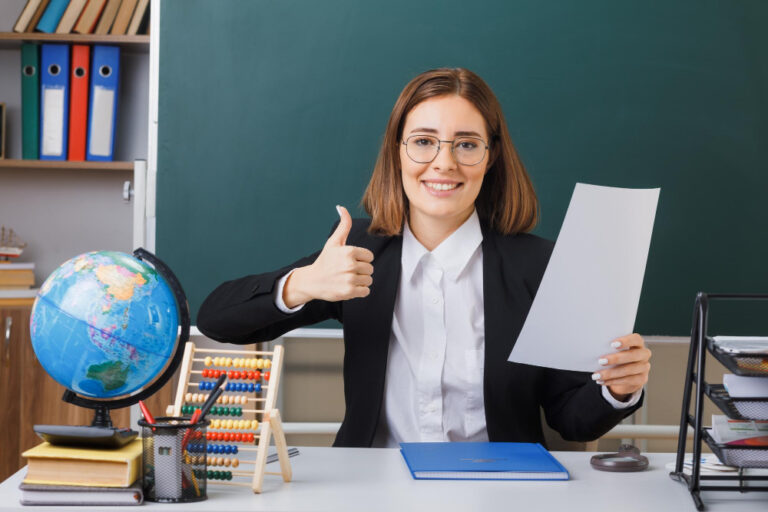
column 226, row 462
column 228, row 362
column 229, row 424
column 235, row 462
column 259, row 363
column 188, row 397
column 208, row 361
column 267, row 364
column 252, row 363
column 254, row 424
column 217, row 361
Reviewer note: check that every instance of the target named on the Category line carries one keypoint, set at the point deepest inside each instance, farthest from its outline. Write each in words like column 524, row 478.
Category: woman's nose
column 444, row 160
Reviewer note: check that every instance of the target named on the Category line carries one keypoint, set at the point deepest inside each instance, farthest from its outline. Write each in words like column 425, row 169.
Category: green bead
column 226, row 411
column 229, row 475
column 215, row 410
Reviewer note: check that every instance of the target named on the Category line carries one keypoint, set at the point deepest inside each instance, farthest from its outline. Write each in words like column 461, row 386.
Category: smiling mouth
column 441, row 186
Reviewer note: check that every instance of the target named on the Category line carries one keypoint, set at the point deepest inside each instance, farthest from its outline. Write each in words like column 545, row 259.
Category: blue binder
column 102, row 99
column 52, row 15
column 481, row 461
column 54, row 101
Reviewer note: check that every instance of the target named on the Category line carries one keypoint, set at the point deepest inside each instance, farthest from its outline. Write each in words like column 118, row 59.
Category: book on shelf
column 739, row 432
column 38, row 494
column 481, row 461
column 51, row 17
column 70, row 17
column 138, row 17
column 123, row 17
column 62, row 465
column 29, row 10
column 107, row 17
column 17, row 276
column 37, row 15
column 90, row 16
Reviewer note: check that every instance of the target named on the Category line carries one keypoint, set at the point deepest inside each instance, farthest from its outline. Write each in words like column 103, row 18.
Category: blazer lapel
column 367, row 327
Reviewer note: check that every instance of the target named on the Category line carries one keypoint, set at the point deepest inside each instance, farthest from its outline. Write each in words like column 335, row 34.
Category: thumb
column 339, row 236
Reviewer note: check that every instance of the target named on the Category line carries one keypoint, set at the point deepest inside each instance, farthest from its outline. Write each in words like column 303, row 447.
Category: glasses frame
column 439, row 146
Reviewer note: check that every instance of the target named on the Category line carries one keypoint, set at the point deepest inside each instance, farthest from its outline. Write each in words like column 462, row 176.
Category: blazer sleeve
column 244, row 311
column 574, row 405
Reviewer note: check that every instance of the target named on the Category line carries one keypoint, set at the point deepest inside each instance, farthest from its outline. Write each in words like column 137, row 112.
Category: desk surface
column 378, row 479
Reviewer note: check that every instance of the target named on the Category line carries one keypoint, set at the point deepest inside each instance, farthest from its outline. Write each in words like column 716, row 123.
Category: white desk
column 338, row 479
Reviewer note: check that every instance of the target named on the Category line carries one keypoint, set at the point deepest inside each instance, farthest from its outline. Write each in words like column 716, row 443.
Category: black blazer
column 243, row 311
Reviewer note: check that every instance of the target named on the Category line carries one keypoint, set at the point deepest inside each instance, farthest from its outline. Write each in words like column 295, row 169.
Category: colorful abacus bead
column 208, row 361
column 266, row 375
column 267, row 364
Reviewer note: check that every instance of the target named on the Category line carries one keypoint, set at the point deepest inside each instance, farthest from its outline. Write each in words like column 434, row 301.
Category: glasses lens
column 422, row 148
column 468, row 150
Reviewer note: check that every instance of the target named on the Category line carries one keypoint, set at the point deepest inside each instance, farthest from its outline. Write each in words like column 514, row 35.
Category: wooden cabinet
column 28, row 396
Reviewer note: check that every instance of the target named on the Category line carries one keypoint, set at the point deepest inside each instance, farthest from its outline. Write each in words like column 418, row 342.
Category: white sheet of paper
column 590, row 291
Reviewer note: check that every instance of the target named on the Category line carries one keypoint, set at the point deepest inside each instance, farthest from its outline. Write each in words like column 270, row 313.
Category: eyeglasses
column 422, row 149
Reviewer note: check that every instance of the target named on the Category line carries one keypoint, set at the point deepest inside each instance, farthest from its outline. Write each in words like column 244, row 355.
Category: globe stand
column 101, row 433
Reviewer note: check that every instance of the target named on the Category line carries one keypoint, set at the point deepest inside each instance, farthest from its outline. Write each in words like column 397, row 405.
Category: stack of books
column 17, row 276
column 60, row 475
column 118, row 17
column 739, row 432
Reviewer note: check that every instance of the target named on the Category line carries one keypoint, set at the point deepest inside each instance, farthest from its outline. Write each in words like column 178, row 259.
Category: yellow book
column 64, row 465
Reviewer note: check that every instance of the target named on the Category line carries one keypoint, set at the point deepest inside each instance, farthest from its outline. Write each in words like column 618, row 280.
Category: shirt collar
column 453, row 253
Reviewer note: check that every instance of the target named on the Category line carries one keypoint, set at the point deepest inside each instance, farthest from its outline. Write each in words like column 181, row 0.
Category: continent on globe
column 111, row 374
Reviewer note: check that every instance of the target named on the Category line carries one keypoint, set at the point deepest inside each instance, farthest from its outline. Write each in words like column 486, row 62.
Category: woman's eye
column 467, row 145
column 424, row 142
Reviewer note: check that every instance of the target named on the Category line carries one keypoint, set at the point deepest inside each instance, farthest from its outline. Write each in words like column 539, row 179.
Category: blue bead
column 201, row 386
column 228, row 387
column 251, row 387
column 234, row 450
column 258, row 387
column 210, row 448
column 241, row 386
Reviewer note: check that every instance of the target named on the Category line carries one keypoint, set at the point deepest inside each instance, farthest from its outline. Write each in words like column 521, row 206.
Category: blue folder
column 52, row 16
column 481, row 461
column 54, row 101
column 102, row 99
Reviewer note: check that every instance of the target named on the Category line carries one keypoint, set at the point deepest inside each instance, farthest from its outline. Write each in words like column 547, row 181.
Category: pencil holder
column 174, row 460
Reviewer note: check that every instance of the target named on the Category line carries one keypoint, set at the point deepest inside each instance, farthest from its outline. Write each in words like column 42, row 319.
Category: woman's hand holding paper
column 627, row 369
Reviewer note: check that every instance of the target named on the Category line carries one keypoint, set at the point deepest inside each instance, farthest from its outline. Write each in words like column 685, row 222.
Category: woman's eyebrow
column 457, row 134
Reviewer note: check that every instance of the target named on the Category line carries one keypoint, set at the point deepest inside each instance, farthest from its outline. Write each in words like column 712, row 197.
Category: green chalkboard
column 271, row 112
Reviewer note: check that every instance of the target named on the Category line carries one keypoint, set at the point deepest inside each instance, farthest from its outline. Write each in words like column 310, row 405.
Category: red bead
column 251, row 375
column 250, row 437
column 209, row 436
column 238, row 436
column 218, row 374
column 257, row 375
column 238, row 375
column 231, row 374
column 266, row 375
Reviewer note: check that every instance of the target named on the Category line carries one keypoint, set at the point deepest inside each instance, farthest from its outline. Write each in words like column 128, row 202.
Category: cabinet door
column 14, row 328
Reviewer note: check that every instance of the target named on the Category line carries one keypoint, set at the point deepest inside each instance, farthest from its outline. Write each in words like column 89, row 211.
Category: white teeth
column 441, row 186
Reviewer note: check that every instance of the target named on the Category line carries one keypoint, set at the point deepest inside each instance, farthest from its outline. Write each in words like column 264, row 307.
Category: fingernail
column 595, row 376
column 338, row 210
column 602, row 361
column 616, row 344
column 600, row 382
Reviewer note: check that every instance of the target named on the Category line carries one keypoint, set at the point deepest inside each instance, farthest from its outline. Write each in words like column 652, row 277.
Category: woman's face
column 443, row 190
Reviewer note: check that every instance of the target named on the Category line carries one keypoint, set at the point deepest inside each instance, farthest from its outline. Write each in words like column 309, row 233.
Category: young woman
column 427, row 335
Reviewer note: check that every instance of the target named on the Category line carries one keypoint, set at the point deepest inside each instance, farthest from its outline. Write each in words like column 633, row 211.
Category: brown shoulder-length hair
column 507, row 201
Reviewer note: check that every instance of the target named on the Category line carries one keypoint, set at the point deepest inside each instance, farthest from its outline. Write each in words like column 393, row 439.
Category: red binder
column 78, row 107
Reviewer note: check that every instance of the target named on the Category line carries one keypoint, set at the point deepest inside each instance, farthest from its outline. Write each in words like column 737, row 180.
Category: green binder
column 30, row 101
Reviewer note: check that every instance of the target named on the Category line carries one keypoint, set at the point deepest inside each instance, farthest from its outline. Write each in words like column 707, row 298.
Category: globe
column 105, row 324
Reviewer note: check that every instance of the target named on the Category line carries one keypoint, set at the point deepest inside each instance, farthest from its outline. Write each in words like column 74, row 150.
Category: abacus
column 241, row 417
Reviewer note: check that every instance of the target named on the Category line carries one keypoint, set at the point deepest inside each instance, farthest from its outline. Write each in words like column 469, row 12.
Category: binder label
column 53, row 127
column 101, row 121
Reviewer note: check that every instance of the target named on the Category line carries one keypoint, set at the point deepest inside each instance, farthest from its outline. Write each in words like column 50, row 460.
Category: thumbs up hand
column 340, row 272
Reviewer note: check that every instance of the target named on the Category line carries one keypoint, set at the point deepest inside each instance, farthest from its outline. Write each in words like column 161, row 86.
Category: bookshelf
column 13, row 40
column 64, row 208
column 63, row 165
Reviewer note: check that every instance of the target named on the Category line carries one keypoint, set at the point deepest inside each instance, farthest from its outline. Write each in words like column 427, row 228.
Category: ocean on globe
column 104, row 324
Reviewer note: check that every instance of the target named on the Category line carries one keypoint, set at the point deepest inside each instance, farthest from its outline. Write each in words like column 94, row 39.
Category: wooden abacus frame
column 271, row 423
